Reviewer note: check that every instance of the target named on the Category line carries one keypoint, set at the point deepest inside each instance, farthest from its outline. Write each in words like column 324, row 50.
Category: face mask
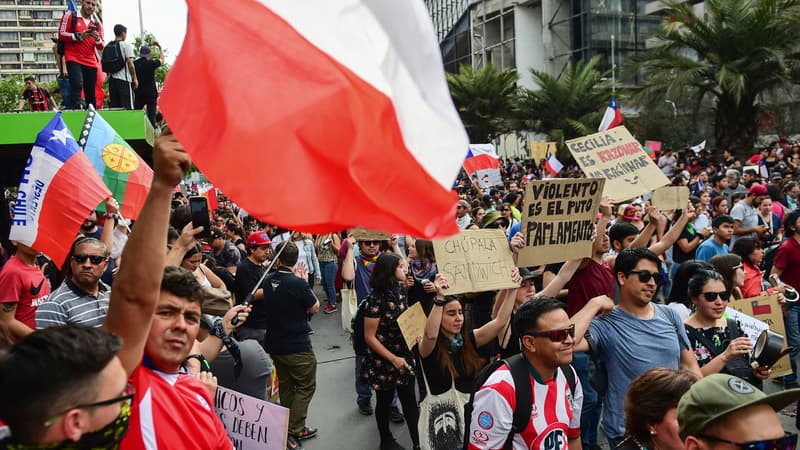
column 453, row 345
column 107, row 437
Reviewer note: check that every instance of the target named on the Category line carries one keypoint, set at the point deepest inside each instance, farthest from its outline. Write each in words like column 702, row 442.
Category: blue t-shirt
column 515, row 228
column 630, row 346
column 709, row 249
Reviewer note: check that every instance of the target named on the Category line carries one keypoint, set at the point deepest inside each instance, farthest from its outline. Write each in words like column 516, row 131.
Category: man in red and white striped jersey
column 547, row 338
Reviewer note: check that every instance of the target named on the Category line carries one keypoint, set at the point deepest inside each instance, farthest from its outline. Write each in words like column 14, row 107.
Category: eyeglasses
column 740, row 266
column 506, row 209
column 126, row 397
column 559, row 335
column 371, row 242
column 645, row 276
column 95, row 259
column 712, row 296
column 787, row 442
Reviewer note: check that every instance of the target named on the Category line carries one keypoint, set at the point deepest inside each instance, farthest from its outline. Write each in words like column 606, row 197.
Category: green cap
column 719, row 394
column 490, row 218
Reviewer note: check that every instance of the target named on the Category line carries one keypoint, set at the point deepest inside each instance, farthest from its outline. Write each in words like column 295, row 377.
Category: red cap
column 257, row 238
column 757, row 189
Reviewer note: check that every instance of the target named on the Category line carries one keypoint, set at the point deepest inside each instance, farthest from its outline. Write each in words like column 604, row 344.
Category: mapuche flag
column 58, row 189
column 347, row 107
column 122, row 169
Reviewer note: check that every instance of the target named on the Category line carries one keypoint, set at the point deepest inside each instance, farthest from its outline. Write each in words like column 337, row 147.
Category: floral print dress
column 378, row 372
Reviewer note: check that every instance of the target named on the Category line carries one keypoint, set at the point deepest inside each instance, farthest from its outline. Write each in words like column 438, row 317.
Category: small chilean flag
column 122, row 169
column 553, row 165
column 613, row 116
column 347, row 105
column 58, row 189
column 210, row 193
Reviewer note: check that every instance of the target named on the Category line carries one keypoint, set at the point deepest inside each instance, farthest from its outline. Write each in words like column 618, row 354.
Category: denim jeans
column 328, row 269
column 590, row 411
column 792, row 324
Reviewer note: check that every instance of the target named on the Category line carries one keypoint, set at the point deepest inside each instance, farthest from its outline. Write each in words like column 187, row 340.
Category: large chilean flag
column 58, row 189
column 320, row 115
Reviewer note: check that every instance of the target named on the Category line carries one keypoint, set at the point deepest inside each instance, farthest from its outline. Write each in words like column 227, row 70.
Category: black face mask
column 108, row 437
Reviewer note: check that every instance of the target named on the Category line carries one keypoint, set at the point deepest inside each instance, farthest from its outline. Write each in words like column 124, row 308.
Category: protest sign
column 616, row 156
column 766, row 309
column 671, row 197
column 251, row 423
column 365, row 234
column 540, row 150
column 412, row 323
column 475, row 261
column 558, row 220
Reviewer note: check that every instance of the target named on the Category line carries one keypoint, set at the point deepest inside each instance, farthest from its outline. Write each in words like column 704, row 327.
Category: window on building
column 8, row 36
column 9, row 57
column 5, row 15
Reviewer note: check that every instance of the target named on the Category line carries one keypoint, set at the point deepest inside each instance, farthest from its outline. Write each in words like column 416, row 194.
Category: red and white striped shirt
column 555, row 413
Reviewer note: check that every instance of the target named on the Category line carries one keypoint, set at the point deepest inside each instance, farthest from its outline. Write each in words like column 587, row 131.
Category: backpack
column 518, row 367
column 112, row 60
column 359, row 343
column 60, row 43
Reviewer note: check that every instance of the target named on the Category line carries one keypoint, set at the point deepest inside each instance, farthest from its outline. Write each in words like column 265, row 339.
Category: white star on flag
column 62, row 135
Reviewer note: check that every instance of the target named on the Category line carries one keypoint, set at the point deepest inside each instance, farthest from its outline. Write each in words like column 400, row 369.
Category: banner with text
column 766, row 309
column 475, row 261
column 252, row 424
column 558, row 220
column 616, row 156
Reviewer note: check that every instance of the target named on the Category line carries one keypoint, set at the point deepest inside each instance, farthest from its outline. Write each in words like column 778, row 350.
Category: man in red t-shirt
column 37, row 97
column 23, row 287
column 81, row 35
column 787, row 266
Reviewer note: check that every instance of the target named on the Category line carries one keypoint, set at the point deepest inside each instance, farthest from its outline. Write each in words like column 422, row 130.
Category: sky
column 165, row 19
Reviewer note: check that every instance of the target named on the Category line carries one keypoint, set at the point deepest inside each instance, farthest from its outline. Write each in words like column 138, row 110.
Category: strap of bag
column 566, row 369
column 518, row 367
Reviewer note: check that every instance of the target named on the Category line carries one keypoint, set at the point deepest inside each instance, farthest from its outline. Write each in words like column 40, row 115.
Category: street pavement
column 333, row 409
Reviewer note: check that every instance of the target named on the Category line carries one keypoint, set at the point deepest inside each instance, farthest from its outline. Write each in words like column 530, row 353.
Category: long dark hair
column 680, row 283
column 383, row 278
column 472, row 361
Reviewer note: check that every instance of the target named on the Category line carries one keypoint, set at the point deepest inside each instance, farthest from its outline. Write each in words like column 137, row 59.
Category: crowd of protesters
column 146, row 319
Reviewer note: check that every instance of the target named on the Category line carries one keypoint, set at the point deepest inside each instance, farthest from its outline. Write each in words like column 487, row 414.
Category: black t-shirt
column 146, row 75
column 439, row 379
column 678, row 255
column 247, row 275
column 286, row 299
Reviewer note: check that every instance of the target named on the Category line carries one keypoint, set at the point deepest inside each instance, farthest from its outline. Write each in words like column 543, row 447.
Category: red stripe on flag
column 64, row 208
column 311, row 130
column 136, row 190
column 480, row 162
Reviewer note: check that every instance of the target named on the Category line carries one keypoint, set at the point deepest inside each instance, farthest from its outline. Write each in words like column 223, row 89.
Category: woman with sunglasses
column 193, row 261
column 450, row 358
column 730, row 266
column 719, row 345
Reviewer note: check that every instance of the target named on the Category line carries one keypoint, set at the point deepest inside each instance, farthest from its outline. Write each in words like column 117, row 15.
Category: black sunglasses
column 126, row 396
column 787, row 442
column 645, row 276
column 95, row 259
column 558, row 335
column 371, row 242
column 712, row 296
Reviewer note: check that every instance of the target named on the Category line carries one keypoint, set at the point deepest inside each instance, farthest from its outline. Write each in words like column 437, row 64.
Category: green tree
column 566, row 106
column 11, row 88
column 161, row 72
column 736, row 54
column 485, row 99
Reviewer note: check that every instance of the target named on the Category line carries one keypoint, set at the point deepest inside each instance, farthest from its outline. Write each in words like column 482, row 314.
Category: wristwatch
column 204, row 365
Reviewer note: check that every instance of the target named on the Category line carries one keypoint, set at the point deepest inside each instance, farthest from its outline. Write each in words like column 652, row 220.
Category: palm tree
column 485, row 100
column 737, row 53
column 567, row 106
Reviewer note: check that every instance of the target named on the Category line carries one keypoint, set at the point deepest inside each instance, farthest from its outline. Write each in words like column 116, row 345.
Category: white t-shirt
column 127, row 52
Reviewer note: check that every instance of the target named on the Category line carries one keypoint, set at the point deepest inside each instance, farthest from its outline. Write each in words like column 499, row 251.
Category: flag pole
column 141, row 23
column 613, row 68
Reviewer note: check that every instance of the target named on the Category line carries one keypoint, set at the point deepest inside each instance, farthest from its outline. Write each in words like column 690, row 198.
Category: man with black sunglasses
column 637, row 336
column 83, row 298
column 723, row 411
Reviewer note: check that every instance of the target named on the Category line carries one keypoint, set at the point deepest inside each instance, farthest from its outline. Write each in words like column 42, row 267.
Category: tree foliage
column 11, row 88
column 566, row 106
column 738, row 52
column 485, row 100
column 161, row 72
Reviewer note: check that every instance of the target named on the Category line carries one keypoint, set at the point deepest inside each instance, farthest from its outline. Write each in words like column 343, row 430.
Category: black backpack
column 60, row 43
column 359, row 343
column 518, row 367
column 112, row 60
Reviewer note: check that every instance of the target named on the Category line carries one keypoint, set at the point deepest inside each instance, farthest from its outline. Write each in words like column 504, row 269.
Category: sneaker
column 365, row 409
column 306, row 433
column 391, row 444
column 293, row 444
column 397, row 416
column 330, row 309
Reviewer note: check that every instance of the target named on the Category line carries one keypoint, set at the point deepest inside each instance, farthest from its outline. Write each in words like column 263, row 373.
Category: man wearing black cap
column 147, row 92
column 723, row 411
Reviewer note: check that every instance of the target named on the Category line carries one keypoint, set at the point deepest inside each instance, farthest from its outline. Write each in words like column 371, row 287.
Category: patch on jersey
column 534, row 411
column 740, row 386
column 203, row 402
column 485, row 420
column 479, row 437
column 551, row 438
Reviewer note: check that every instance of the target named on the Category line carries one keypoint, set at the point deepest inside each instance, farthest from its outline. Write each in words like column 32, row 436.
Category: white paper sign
column 750, row 326
column 252, row 424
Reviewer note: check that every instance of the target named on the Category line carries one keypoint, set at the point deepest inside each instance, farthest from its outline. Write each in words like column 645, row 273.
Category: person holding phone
column 81, row 35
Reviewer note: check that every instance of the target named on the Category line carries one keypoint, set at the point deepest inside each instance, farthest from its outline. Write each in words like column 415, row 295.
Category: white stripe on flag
column 33, row 188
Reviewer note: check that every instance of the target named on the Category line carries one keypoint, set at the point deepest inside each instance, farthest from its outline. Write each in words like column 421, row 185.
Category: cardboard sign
column 616, row 156
column 412, row 324
column 766, row 309
column 540, row 150
column 252, row 424
column 365, row 234
column 475, row 261
column 558, row 220
column 671, row 197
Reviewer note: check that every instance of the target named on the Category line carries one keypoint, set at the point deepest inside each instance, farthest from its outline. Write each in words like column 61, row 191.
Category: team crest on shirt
column 551, row 438
column 203, row 402
column 534, row 411
column 486, row 420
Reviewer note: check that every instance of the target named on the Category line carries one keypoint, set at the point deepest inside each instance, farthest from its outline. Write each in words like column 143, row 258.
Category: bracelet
column 438, row 302
column 204, row 365
column 109, row 215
